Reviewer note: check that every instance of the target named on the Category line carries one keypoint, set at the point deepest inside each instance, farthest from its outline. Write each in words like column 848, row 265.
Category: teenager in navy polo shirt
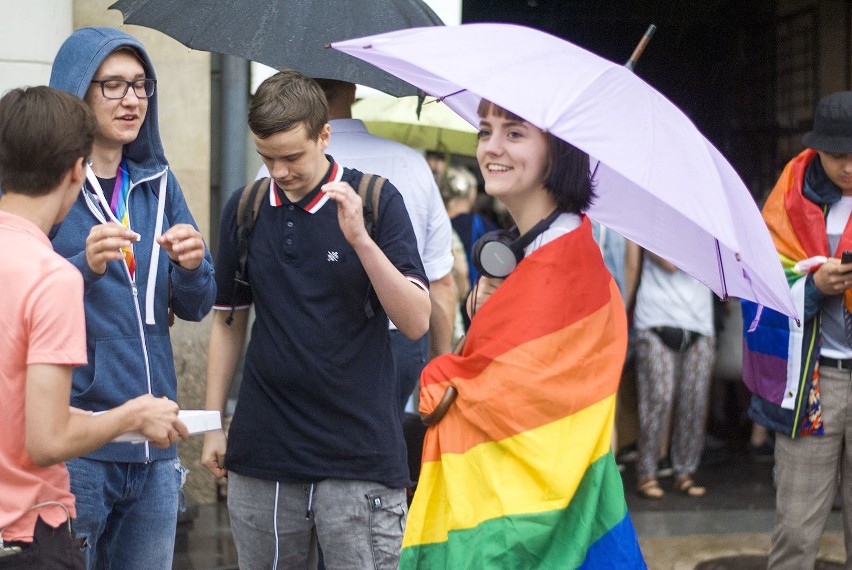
column 315, row 449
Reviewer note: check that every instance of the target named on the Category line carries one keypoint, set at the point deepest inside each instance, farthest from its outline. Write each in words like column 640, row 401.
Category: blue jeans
column 410, row 357
column 127, row 512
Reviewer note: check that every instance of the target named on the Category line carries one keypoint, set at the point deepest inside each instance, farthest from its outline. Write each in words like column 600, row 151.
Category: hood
column 817, row 186
column 74, row 68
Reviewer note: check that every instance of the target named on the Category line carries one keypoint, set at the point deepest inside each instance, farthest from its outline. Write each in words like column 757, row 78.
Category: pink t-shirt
column 41, row 322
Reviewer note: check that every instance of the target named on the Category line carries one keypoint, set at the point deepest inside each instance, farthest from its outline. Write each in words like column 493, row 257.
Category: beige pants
column 806, row 478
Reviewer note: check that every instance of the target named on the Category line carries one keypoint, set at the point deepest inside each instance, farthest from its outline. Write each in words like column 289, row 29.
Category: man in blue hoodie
column 127, row 494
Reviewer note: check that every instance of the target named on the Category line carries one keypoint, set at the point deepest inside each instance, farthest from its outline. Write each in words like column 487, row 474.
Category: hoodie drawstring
column 150, row 319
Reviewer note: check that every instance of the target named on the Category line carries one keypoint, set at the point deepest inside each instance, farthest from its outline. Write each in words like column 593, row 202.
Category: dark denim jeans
column 127, row 512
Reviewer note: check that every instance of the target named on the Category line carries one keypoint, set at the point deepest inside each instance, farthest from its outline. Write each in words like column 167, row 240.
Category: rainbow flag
column 519, row 473
column 118, row 204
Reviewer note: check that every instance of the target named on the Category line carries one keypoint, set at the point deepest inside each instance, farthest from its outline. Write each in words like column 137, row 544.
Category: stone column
column 30, row 34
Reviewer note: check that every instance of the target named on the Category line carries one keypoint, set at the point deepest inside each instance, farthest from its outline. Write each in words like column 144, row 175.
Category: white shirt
column 564, row 223
column 833, row 327
column 667, row 299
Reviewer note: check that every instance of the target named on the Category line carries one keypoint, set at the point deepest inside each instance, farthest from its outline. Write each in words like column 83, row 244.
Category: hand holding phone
column 846, row 257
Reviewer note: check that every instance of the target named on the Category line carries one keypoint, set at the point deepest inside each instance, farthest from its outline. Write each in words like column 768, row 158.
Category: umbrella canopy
column 438, row 128
column 285, row 33
column 659, row 182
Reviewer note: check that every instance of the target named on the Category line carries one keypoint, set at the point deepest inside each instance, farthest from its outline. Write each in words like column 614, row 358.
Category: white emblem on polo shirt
column 333, row 256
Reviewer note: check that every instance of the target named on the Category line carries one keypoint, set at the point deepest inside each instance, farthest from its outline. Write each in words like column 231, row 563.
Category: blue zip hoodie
column 127, row 328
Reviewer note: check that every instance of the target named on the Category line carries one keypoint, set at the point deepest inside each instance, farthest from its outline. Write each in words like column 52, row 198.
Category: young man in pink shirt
column 45, row 139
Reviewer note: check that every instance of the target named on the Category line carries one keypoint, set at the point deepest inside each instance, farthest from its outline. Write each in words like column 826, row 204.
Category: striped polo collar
column 313, row 200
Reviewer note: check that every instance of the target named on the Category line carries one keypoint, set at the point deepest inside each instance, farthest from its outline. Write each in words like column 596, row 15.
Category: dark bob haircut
column 568, row 178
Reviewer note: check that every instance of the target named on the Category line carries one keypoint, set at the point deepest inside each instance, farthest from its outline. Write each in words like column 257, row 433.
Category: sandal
column 650, row 489
column 688, row 487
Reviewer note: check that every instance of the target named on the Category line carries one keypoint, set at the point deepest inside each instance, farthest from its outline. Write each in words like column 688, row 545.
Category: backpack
column 251, row 199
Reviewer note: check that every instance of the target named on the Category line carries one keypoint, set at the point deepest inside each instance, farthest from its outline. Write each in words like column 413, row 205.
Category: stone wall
column 190, row 348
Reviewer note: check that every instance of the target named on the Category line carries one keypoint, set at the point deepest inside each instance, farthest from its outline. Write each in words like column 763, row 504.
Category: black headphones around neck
column 497, row 253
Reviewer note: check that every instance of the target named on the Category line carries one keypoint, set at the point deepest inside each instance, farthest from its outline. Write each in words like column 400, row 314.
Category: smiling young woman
column 535, row 384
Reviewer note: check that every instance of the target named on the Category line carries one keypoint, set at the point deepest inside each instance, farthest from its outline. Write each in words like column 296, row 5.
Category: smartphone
column 846, row 257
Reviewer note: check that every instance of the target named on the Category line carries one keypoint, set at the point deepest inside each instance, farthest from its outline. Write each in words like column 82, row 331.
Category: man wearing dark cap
column 801, row 376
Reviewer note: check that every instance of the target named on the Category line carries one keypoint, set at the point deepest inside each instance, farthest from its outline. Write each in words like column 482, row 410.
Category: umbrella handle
column 441, row 409
column 643, row 43
column 448, row 398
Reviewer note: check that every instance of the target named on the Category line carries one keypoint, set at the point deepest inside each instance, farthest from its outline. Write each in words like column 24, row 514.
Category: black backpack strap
column 370, row 190
column 248, row 208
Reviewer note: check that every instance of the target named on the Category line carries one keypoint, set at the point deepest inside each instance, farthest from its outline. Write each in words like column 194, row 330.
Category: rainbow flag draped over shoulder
column 519, row 473
column 796, row 224
column 779, row 356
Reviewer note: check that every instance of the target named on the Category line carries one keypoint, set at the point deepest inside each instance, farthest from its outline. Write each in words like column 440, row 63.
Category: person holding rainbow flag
column 517, row 471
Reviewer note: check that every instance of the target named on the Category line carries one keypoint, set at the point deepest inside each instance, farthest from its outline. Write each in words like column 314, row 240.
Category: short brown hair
column 286, row 100
column 568, row 178
column 43, row 133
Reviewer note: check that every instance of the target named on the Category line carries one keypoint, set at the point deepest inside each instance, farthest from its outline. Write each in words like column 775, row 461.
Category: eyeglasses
column 117, row 88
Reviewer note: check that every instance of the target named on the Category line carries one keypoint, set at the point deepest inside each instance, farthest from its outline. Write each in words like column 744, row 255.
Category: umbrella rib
column 442, row 97
column 721, row 270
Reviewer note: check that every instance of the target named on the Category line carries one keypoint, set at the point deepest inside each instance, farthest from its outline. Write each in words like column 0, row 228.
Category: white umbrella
column 659, row 181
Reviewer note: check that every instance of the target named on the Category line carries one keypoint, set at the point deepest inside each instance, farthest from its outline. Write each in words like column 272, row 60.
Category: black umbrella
column 286, row 33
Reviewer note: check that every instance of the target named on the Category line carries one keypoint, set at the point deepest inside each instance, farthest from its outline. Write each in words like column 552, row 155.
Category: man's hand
column 833, row 277
column 350, row 211
column 104, row 244
column 184, row 245
column 213, row 453
column 158, row 420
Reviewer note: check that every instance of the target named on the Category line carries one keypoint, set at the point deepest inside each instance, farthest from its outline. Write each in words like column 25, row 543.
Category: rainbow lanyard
column 118, row 205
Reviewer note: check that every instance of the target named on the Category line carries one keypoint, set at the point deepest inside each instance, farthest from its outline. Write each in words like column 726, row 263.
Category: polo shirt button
column 290, row 207
column 289, row 224
column 289, row 241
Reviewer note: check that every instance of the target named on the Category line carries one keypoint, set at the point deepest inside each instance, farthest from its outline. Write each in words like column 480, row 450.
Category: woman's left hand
column 480, row 293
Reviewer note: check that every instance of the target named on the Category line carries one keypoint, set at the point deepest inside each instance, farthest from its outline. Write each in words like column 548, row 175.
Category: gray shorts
column 277, row 525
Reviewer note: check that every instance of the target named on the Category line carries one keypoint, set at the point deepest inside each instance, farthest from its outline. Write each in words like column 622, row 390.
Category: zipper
column 139, row 320
column 144, row 349
column 99, row 215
